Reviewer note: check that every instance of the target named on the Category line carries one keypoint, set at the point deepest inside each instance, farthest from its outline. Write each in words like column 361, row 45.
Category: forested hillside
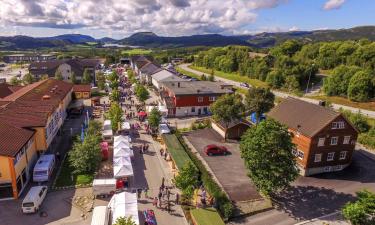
column 288, row 66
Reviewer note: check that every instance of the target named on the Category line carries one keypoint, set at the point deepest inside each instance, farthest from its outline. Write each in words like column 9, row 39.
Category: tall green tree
column 115, row 115
column 362, row 211
column 227, row 108
column 154, row 118
column 73, row 78
column 58, row 75
column 141, row 92
column 15, row 81
column 86, row 78
column 267, row 152
column 124, row 221
column 187, row 179
column 212, row 76
column 115, row 95
column 360, row 87
column 100, row 80
column 28, row 79
column 259, row 100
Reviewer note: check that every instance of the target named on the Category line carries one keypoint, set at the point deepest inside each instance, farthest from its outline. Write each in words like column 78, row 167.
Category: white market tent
column 121, row 144
column 125, row 126
column 123, row 152
column 122, row 167
column 122, row 138
column 124, row 204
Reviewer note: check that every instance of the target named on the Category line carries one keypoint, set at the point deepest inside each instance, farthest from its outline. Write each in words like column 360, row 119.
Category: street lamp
column 308, row 81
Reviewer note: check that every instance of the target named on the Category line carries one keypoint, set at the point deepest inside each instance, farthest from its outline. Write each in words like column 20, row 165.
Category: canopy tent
column 123, row 152
column 125, row 126
column 142, row 113
column 122, row 161
column 107, row 133
column 122, row 144
column 120, row 171
column 124, row 204
column 122, row 138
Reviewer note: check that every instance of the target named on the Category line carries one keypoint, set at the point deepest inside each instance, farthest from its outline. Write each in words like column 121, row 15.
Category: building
column 30, row 119
column 82, row 91
column 191, row 98
column 138, row 61
column 164, row 76
column 146, row 71
column 7, row 89
column 235, row 129
column 66, row 68
column 16, row 58
column 324, row 139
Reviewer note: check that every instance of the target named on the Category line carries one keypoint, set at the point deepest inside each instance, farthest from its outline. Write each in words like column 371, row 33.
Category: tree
column 360, row 87
column 260, row 101
column 358, row 120
column 141, row 93
column 100, row 80
column 125, row 221
column 212, row 76
column 227, row 108
column 15, row 81
column 154, row 118
column 275, row 79
column 85, row 156
column 115, row 95
column 86, row 78
column 203, row 77
column 267, row 152
column 291, row 83
column 28, row 79
column 58, row 75
column 362, row 211
column 187, row 179
column 73, row 78
column 44, row 77
column 115, row 115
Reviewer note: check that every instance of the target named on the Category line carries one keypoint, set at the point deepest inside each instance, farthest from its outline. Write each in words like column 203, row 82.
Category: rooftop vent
column 46, row 97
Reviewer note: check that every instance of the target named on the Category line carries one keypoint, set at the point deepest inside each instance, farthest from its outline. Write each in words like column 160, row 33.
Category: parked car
column 246, row 85
column 43, row 168
column 34, row 198
column 164, row 129
column 216, row 150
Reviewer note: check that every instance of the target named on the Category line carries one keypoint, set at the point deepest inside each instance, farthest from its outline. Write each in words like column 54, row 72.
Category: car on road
column 34, row 198
column 215, row 150
column 244, row 84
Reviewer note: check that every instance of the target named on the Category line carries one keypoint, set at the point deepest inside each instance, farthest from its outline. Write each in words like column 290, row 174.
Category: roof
column 82, row 88
column 304, row 117
column 165, row 75
column 196, row 88
column 12, row 138
column 6, row 89
column 233, row 123
column 150, row 68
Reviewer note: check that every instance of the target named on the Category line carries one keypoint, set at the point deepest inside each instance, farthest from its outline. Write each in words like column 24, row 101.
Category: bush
column 225, row 205
column 362, row 211
column 358, row 120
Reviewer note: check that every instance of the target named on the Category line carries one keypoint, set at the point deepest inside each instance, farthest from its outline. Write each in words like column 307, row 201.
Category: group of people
column 165, row 193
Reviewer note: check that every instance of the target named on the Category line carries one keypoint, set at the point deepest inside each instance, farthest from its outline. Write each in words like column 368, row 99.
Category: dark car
column 216, row 150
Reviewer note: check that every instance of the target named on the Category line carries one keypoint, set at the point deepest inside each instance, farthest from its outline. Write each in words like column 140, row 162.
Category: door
column 199, row 111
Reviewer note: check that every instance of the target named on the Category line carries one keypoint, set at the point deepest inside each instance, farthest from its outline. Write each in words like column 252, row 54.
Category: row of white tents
column 122, row 155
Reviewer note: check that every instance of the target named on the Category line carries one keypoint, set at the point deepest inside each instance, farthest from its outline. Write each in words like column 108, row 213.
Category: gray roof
column 165, row 76
column 150, row 68
column 196, row 88
column 304, row 117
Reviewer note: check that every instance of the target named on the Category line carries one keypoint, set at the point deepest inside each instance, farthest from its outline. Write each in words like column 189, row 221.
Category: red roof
column 82, row 88
column 13, row 138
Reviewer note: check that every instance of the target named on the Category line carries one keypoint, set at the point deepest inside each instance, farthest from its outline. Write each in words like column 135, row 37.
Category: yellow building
column 30, row 118
column 82, row 91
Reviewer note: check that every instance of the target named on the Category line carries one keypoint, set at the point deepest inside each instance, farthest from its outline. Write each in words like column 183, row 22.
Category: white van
column 107, row 131
column 100, row 216
column 43, row 168
column 34, row 198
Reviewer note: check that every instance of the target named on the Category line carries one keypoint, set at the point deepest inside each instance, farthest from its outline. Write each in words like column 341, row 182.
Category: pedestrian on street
column 58, row 156
column 169, row 206
column 146, row 192
column 177, row 199
column 160, row 195
column 162, row 182
column 139, row 192
column 155, row 202
column 166, row 192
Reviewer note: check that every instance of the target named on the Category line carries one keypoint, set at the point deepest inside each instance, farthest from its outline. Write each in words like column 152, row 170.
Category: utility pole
column 308, row 81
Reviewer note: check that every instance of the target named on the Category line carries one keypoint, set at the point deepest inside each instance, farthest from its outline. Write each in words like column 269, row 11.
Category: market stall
column 124, row 204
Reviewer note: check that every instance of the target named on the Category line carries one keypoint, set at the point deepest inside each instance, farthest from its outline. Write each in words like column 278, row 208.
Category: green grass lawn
column 188, row 73
column 232, row 76
column 207, row 216
column 180, row 157
column 345, row 101
column 137, row 51
column 65, row 177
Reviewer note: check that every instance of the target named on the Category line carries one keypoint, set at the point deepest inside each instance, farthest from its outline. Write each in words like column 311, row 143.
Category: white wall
column 186, row 111
column 66, row 71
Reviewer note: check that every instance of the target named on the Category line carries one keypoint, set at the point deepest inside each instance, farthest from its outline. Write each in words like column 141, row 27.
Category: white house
column 164, row 76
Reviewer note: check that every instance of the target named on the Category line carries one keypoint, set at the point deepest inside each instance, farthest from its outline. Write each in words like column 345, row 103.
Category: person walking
column 166, row 192
column 177, row 199
column 162, row 182
column 159, row 197
column 146, row 192
column 155, row 202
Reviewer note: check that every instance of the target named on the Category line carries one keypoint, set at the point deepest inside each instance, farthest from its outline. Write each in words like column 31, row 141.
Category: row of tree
column 115, row 113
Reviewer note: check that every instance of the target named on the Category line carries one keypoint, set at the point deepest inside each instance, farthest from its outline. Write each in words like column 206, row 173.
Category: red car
column 216, row 150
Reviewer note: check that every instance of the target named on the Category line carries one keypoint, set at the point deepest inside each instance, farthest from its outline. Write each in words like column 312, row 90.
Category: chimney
column 178, row 84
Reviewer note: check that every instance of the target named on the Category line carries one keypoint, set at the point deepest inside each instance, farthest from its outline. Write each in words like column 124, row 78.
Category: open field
column 137, row 51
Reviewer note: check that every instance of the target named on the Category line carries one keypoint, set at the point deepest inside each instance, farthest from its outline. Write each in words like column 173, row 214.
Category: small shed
column 82, row 91
column 235, row 129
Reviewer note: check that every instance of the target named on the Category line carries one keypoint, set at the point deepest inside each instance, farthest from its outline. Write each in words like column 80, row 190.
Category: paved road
column 285, row 95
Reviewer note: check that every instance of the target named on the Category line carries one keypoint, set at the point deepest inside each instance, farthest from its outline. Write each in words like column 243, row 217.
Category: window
column 346, row 140
column 338, row 167
column 327, row 169
column 200, row 99
column 192, row 109
column 334, row 125
column 338, row 125
column 334, row 140
column 300, row 154
column 212, row 98
column 318, row 158
column 321, row 142
column 294, row 152
column 343, row 155
column 330, row 156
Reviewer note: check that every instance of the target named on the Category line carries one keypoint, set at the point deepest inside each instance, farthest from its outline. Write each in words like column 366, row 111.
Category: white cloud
column 294, row 28
column 333, row 4
column 165, row 17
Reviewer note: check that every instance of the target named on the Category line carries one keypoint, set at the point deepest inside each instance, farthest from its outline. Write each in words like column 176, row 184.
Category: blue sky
column 121, row 18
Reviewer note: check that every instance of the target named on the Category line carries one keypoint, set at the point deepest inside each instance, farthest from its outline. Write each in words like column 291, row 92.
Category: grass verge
column 188, row 73
column 346, row 102
column 65, row 177
column 176, row 150
column 232, row 76
column 207, row 216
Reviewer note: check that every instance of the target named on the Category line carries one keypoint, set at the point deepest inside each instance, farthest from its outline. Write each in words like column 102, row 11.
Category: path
column 285, row 95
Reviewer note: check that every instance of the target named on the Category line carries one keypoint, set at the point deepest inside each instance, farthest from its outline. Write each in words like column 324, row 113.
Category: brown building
column 82, row 91
column 324, row 139
column 235, row 129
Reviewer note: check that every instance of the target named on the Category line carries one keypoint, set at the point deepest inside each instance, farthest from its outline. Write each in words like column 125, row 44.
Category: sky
column 121, row 18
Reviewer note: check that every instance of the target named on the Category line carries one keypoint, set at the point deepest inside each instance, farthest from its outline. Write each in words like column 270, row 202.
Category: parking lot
column 229, row 170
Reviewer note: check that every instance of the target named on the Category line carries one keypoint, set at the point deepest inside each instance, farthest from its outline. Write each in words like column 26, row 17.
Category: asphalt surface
column 285, row 95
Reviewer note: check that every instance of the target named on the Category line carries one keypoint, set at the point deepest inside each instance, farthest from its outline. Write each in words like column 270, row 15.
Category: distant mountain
column 271, row 39
column 25, row 42
column 73, row 38
column 150, row 40
column 107, row 40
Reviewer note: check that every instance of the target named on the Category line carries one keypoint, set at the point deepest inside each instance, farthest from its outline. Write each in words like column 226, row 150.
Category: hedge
column 225, row 205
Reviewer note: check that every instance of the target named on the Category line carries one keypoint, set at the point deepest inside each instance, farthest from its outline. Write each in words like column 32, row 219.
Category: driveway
column 229, row 170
